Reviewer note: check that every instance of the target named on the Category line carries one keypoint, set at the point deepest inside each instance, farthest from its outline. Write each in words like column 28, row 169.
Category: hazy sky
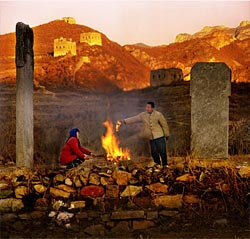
column 131, row 21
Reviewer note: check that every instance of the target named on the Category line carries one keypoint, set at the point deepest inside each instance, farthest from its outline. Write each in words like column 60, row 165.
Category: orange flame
column 118, row 125
column 111, row 145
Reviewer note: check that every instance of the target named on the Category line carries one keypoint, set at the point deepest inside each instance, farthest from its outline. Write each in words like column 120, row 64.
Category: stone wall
column 109, row 199
column 69, row 20
column 161, row 77
column 92, row 38
column 62, row 47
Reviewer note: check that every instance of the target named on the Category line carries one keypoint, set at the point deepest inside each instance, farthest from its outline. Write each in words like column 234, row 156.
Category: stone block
column 133, row 214
column 210, row 88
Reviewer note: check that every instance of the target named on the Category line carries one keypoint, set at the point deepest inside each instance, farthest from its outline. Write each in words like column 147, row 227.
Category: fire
column 117, row 126
column 111, row 145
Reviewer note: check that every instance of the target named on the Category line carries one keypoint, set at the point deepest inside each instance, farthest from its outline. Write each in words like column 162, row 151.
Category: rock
column 95, row 230
column 185, row 178
column 121, row 177
column 66, row 188
column 158, row 187
column 191, row 199
column 110, row 224
column 46, row 180
column 40, row 188
column 84, row 177
column 94, row 179
column 131, row 191
column 42, row 204
column 77, row 204
column 7, row 217
column 121, row 227
column 10, row 205
column 4, row 186
column 82, row 215
column 68, row 182
column 21, row 191
column 169, row 201
column 134, row 171
column 142, row 224
column 152, row 215
column 64, row 217
column 84, row 180
column 32, row 216
column 168, row 213
column 58, row 178
column 92, row 191
column 245, row 172
column 77, row 182
column 133, row 214
column 220, row 222
column 5, row 193
column 52, row 214
column 179, row 167
column 161, row 179
column 57, row 204
column 107, row 181
column 94, row 214
column 59, row 193
column 105, row 217
column 104, row 174
column 133, row 180
column 112, row 191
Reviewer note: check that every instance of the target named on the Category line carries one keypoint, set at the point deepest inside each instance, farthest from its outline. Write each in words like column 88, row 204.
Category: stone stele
column 24, row 95
column 210, row 88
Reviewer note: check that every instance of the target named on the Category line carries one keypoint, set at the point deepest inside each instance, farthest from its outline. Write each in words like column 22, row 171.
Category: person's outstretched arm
column 164, row 125
column 133, row 119
column 85, row 151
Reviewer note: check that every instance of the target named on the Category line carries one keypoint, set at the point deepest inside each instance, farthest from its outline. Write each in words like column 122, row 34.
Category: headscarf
column 72, row 133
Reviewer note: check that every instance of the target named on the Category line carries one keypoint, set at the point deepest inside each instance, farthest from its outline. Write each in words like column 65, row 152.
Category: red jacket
column 71, row 151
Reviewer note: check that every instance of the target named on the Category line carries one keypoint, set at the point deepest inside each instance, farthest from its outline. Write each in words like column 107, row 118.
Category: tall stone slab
column 210, row 88
column 24, row 95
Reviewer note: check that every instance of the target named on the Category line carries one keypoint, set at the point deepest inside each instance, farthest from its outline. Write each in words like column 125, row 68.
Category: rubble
column 10, row 205
column 92, row 191
column 131, row 191
column 59, row 193
column 21, row 191
column 158, row 187
column 169, row 201
column 122, row 200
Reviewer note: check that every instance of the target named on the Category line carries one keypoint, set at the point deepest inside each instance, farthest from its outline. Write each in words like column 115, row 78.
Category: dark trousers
column 75, row 163
column 158, row 149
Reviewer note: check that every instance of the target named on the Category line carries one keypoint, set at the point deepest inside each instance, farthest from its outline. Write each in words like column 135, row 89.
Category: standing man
column 155, row 129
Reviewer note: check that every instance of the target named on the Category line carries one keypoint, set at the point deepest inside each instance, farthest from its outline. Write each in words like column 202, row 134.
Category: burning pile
column 111, row 145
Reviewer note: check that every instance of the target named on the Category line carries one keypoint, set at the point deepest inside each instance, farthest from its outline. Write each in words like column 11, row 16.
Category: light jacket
column 155, row 124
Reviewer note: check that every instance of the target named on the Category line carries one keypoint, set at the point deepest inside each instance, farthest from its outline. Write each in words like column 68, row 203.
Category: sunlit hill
column 103, row 65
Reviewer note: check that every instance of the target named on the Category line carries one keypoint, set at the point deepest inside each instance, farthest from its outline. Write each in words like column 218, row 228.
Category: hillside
column 110, row 67
column 219, row 43
column 113, row 67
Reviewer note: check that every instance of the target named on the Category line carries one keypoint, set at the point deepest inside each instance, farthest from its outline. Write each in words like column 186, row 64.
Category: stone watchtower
column 69, row 20
column 92, row 38
column 62, row 47
column 163, row 76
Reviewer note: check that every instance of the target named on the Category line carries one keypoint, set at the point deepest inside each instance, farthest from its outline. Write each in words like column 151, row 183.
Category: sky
column 129, row 21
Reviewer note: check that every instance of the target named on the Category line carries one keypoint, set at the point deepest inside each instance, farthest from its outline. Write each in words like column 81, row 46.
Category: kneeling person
column 72, row 153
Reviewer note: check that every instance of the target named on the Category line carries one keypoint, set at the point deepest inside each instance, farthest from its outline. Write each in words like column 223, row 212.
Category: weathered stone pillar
column 210, row 88
column 24, row 95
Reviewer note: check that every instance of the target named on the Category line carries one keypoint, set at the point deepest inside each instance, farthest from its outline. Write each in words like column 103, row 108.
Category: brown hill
column 230, row 45
column 110, row 66
column 113, row 67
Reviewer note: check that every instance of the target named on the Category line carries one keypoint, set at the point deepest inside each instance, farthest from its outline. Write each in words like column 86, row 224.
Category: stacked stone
column 139, row 196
